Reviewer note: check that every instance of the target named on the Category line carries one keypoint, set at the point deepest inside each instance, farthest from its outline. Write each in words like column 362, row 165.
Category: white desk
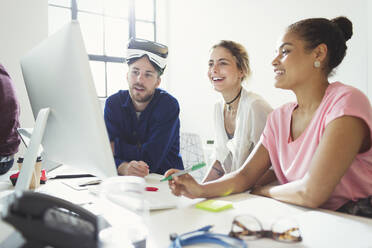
column 319, row 228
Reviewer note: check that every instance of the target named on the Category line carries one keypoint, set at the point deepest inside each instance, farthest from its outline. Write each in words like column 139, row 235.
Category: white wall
column 23, row 24
column 194, row 26
column 162, row 32
column 190, row 28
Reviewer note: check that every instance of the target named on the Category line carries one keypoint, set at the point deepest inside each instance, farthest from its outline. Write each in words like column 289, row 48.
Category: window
column 106, row 26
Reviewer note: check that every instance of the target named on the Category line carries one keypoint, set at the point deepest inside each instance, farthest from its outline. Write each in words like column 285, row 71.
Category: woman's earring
column 316, row 63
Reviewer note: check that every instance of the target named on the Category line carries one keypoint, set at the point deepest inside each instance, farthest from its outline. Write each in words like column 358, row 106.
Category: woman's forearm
column 329, row 164
column 295, row 192
column 234, row 182
column 243, row 179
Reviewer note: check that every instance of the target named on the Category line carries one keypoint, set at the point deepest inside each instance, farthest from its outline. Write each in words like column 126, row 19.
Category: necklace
column 229, row 108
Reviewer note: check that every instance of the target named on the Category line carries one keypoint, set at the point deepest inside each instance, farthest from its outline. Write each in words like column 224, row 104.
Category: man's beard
column 137, row 96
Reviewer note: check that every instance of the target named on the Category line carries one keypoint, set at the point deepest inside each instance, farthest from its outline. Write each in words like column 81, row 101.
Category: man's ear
column 320, row 52
column 158, row 82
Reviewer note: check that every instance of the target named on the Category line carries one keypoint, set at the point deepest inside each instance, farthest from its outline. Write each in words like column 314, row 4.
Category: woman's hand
column 184, row 185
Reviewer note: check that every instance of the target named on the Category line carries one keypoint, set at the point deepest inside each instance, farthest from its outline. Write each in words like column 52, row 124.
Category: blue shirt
column 153, row 137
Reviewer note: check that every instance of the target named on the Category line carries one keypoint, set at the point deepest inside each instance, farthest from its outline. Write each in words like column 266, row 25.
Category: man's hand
column 134, row 168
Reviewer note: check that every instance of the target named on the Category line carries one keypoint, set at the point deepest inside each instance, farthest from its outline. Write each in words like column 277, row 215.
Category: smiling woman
column 302, row 140
column 307, row 157
column 241, row 116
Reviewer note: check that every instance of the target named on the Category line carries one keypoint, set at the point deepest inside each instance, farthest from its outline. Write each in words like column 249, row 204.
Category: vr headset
column 156, row 52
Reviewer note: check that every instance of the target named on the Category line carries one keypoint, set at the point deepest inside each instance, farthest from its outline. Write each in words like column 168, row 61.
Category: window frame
column 132, row 32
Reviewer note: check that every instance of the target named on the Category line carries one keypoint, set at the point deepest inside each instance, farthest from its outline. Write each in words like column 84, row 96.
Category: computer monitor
column 25, row 134
column 69, row 119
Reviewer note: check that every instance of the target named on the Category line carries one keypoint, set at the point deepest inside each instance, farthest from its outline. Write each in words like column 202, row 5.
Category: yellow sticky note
column 214, row 205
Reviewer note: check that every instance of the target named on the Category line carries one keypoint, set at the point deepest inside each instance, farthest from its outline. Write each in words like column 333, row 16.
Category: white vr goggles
column 156, row 52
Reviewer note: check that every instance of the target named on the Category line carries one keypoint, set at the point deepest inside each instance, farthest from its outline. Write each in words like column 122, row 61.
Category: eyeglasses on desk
column 248, row 227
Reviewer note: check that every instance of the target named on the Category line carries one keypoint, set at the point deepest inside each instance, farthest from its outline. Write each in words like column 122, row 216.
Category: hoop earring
column 316, row 63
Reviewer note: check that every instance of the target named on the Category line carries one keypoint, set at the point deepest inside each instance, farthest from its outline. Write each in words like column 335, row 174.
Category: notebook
column 163, row 197
column 157, row 200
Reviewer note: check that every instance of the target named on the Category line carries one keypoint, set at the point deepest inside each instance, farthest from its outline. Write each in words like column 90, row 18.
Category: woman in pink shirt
column 319, row 146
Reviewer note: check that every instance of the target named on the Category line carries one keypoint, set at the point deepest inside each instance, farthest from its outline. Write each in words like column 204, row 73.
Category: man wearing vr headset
column 143, row 122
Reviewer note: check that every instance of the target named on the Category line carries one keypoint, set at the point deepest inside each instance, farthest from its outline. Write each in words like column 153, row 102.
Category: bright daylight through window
column 106, row 26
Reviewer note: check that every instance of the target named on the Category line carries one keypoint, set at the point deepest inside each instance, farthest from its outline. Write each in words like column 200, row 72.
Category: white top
column 250, row 121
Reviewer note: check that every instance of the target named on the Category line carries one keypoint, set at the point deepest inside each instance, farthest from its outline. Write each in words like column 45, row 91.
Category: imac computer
column 69, row 119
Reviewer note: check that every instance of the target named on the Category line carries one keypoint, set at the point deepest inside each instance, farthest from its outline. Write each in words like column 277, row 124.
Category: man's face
column 142, row 79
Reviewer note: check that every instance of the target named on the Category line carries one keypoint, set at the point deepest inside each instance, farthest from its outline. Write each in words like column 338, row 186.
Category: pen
column 194, row 167
column 94, row 182
column 71, row 176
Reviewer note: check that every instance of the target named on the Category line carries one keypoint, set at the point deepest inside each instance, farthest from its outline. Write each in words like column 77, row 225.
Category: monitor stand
column 32, row 151
column 25, row 134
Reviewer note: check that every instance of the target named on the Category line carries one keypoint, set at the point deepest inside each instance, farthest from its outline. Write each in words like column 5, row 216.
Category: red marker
column 151, row 189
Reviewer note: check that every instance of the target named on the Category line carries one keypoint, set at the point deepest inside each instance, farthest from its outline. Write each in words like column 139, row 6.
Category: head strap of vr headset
column 138, row 53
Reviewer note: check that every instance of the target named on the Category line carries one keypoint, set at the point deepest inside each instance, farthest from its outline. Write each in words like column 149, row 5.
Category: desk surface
column 319, row 228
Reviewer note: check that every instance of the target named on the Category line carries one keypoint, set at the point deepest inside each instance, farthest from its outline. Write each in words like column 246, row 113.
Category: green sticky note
column 214, row 205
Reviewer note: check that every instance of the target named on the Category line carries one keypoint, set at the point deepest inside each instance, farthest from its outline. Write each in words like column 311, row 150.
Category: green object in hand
column 193, row 168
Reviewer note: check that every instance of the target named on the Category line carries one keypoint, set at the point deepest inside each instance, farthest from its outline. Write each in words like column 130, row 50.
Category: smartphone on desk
column 44, row 220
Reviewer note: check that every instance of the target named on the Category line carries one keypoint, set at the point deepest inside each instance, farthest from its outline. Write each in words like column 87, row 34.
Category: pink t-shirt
column 291, row 159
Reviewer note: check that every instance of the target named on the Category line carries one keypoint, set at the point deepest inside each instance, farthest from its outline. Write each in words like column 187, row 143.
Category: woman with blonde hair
column 240, row 116
column 318, row 146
